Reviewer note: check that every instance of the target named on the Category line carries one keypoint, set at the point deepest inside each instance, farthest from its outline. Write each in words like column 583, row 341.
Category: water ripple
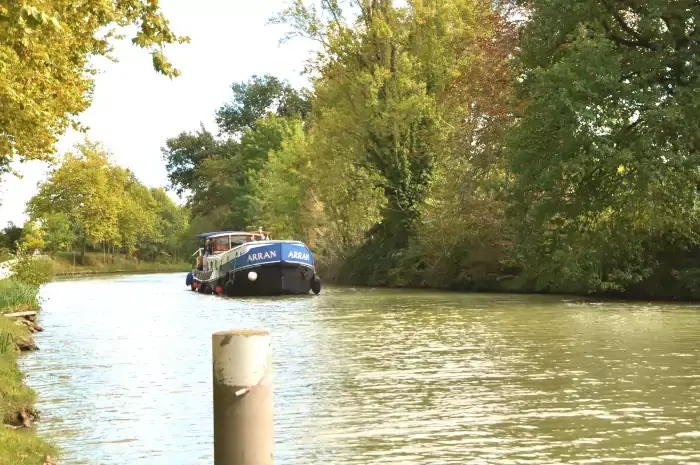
column 371, row 376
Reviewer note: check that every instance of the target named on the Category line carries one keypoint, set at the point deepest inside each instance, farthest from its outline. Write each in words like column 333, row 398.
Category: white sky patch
column 135, row 109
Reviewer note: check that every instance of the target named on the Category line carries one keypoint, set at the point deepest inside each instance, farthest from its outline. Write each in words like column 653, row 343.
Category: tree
column 221, row 176
column 171, row 225
column 32, row 237
column 10, row 236
column 256, row 98
column 603, row 159
column 187, row 152
column 45, row 75
column 462, row 239
column 284, row 188
column 87, row 191
column 89, row 202
column 58, row 232
column 220, row 200
column 380, row 95
column 137, row 221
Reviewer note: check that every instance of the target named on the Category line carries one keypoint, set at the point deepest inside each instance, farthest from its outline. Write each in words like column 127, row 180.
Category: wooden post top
column 242, row 332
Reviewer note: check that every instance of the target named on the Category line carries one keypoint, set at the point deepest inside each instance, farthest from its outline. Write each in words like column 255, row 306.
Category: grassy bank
column 18, row 443
column 68, row 264
column 17, row 296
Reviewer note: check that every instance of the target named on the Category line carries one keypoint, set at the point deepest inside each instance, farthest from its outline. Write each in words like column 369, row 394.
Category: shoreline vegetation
column 19, row 309
column 67, row 265
column 428, row 152
column 421, row 158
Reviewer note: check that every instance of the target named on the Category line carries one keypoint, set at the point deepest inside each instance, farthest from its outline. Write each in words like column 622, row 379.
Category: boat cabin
column 226, row 240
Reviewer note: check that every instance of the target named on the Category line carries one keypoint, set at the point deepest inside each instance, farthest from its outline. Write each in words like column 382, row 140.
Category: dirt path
column 5, row 269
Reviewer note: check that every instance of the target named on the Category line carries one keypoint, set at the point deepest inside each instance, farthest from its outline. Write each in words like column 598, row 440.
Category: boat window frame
column 242, row 237
column 218, row 244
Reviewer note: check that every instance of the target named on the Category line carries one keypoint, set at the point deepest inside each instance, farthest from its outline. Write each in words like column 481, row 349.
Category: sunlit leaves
column 89, row 201
column 45, row 71
column 185, row 153
column 400, row 90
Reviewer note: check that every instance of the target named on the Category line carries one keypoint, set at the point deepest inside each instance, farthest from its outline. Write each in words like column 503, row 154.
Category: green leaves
column 387, row 109
column 45, row 75
column 89, row 201
column 254, row 99
column 603, row 88
column 185, row 153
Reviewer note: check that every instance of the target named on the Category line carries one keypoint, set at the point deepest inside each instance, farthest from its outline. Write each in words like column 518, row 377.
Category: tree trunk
column 82, row 255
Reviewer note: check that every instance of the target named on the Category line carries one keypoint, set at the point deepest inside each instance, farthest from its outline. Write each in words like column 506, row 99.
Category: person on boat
column 207, row 247
column 200, row 262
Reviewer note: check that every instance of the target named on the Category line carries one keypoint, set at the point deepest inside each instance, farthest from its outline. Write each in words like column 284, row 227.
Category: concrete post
column 243, row 407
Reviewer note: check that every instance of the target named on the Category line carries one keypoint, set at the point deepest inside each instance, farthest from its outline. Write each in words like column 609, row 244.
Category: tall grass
column 17, row 446
column 5, row 342
column 16, row 294
column 19, row 292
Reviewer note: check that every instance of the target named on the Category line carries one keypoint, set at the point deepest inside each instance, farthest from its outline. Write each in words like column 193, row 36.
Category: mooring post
column 243, row 407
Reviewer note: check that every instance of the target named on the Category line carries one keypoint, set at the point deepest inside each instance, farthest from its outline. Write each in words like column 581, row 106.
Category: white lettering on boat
column 262, row 256
column 298, row 255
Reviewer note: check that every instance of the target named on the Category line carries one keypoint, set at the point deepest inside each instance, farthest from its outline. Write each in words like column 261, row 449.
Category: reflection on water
column 371, row 376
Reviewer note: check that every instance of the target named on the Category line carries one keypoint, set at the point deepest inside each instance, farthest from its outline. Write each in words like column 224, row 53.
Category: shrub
column 34, row 271
column 5, row 254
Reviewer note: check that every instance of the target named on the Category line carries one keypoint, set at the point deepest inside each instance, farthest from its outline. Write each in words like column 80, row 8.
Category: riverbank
column 69, row 265
column 146, row 268
column 19, row 444
column 511, row 281
column 19, row 308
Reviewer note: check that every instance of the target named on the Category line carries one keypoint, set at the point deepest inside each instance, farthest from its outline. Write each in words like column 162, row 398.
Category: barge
column 236, row 263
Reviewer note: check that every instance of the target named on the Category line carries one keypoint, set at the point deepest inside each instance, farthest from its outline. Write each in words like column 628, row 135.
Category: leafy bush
column 5, row 254
column 32, row 270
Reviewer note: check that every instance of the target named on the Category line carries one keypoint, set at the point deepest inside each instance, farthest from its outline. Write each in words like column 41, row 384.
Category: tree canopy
column 537, row 145
column 219, row 174
column 87, row 201
column 603, row 156
column 46, row 77
column 255, row 99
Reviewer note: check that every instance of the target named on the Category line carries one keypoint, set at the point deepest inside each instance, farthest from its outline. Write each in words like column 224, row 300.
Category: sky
column 135, row 110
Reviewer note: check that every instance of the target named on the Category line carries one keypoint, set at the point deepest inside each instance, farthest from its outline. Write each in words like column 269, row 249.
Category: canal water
column 369, row 376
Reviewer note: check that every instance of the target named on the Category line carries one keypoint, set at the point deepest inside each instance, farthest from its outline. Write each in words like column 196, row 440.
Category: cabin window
column 220, row 244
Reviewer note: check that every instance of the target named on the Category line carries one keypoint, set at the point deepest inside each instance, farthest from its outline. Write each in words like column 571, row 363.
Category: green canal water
column 370, row 376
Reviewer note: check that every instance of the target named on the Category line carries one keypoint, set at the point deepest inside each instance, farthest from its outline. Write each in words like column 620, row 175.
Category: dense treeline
column 546, row 146
column 88, row 203
column 604, row 154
